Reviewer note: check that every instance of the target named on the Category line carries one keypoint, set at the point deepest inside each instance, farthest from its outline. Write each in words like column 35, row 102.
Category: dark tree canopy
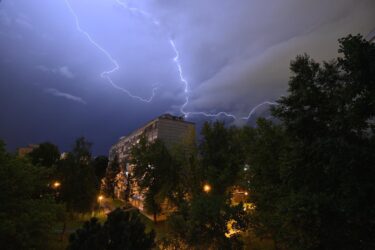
column 155, row 173
column 312, row 177
column 121, row 231
column 200, row 221
column 221, row 157
column 46, row 155
column 100, row 165
column 90, row 237
column 27, row 215
column 79, row 186
column 109, row 181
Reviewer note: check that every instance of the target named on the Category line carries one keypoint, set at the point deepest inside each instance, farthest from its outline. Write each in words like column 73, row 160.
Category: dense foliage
column 100, row 164
column 155, row 173
column 79, row 185
column 109, row 181
column 312, row 177
column 46, row 155
column 121, row 231
column 27, row 213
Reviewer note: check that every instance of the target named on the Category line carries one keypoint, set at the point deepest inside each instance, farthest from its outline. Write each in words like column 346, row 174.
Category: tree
column 200, row 222
column 267, row 147
column 79, row 186
column 121, row 231
column 100, row 165
column 320, row 177
column 90, row 237
column 46, row 155
column 155, row 173
column 109, row 181
column 27, row 215
column 220, row 155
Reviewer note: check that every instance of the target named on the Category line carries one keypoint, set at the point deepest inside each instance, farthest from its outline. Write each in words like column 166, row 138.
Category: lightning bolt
column 176, row 59
column 183, row 80
column 106, row 74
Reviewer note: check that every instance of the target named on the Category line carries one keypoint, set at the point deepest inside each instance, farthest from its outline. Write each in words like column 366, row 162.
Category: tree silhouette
column 121, row 231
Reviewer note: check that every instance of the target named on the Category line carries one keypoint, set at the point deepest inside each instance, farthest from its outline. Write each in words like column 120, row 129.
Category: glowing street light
column 206, row 188
column 100, row 198
column 56, row 184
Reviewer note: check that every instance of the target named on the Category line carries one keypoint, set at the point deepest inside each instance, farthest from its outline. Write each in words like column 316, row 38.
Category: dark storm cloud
column 234, row 54
column 237, row 53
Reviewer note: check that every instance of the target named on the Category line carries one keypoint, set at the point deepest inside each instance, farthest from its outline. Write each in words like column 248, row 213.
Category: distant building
column 64, row 155
column 22, row 152
column 169, row 129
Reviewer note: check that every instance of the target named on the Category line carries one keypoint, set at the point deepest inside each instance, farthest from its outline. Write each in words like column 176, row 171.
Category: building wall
column 170, row 129
column 22, row 152
column 174, row 132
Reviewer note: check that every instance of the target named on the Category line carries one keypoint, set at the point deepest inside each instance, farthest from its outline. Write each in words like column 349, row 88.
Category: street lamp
column 206, row 188
column 100, row 198
column 56, row 184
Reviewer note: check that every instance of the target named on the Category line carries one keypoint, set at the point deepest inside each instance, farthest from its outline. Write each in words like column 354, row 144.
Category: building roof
column 164, row 117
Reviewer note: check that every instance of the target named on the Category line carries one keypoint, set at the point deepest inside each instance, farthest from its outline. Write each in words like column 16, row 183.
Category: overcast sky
column 60, row 79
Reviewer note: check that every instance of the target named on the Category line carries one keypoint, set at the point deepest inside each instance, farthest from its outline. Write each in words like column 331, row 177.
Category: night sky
column 59, row 79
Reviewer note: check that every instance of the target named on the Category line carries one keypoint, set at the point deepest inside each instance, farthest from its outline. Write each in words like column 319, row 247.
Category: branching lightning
column 176, row 59
column 116, row 66
column 183, row 80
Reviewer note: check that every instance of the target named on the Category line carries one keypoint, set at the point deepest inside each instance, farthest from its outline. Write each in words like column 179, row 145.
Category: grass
column 73, row 222
column 160, row 227
column 252, row 242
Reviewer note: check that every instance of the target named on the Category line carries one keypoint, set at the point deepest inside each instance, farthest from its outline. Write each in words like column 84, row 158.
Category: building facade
column 22, row 152
column 170, row 129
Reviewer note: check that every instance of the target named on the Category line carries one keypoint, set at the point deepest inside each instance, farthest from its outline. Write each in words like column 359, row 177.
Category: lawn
column 73, row 222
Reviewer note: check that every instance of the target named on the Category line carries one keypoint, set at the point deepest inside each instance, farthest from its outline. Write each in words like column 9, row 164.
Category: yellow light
column 100, row 198
column 231, row 230
column 206, row 188
column 248, row 206
column 56, row 184
column 246, row 193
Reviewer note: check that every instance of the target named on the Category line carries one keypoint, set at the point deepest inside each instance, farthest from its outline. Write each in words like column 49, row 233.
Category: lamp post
column 100, row 199
column 56, row 184
column 207, row 188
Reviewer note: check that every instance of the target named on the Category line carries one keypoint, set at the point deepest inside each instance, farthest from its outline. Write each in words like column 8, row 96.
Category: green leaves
column 122, row 230
column 155, row 172
column 46, row 155
column 308, row 175
column 27, row 213
column 79, row 186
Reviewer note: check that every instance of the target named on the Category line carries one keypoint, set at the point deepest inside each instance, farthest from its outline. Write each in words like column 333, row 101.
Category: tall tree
column 90, row 237
column 322, row 181
column 79, row 186
column 47, row 155
column 201, row 221
column 100, row 165
column 109, row 181
column 27, row 215
column 220, row 155
column 122, row 230
column 155, row 173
